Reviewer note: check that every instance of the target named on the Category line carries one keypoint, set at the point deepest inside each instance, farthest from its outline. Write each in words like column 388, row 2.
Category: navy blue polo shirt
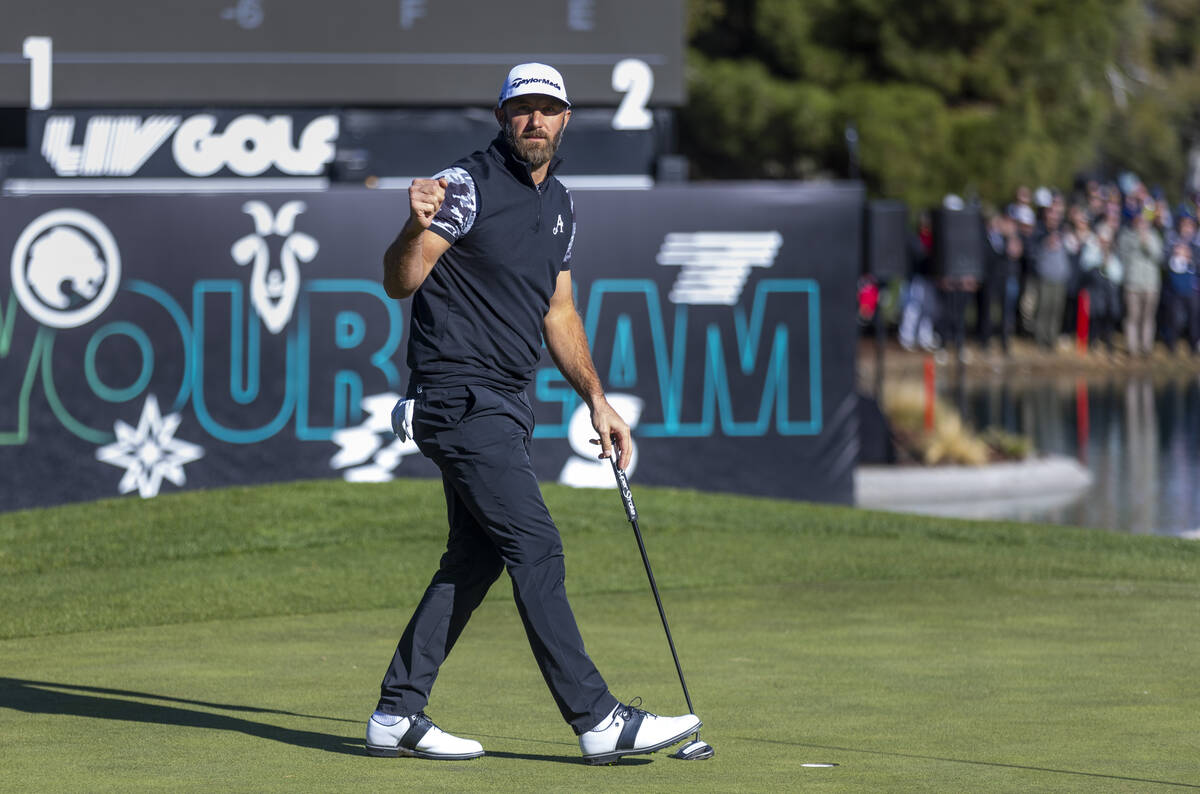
column 477, row 317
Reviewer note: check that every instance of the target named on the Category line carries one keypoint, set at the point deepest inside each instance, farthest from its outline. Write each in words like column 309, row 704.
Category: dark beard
column 536, row 153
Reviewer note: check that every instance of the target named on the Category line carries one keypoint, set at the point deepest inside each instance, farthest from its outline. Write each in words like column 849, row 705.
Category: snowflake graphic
column 150, row 452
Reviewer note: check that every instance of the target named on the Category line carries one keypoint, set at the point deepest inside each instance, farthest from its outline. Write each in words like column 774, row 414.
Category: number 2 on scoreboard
column 635, row 78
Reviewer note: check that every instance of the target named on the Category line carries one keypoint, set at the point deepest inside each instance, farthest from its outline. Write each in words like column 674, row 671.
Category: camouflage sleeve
column 457, row 213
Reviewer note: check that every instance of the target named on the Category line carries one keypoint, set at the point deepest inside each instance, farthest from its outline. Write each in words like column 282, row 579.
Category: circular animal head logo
column 65, row 268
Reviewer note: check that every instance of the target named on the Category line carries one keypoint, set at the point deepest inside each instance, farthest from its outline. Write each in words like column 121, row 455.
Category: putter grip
column 623, row 487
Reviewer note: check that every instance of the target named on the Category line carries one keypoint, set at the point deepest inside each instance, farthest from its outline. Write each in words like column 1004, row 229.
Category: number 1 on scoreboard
column 40, row 53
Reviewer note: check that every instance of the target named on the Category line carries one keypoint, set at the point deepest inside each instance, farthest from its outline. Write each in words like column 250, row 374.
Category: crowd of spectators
column 1116, row 250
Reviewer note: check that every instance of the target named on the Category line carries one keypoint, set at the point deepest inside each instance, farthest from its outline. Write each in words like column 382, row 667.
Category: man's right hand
column 416, row 249
column 425, row 197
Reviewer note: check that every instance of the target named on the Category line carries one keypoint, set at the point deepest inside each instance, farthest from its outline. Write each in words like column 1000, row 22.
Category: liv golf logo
column 66, row 268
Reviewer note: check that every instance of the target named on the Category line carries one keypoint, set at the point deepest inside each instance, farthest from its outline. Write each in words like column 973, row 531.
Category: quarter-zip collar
column 520, row 169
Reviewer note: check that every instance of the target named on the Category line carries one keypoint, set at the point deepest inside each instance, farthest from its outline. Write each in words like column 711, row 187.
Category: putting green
column 993, row 657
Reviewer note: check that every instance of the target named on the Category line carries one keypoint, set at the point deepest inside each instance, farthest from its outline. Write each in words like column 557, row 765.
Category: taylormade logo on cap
column 533, row 78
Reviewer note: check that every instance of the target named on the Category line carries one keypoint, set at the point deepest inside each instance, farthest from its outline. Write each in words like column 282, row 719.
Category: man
column 1001, row 281
column 486, row 251
column 1103, row 275
column 1182, row 292
column 1053, row 269
column 1140, row 249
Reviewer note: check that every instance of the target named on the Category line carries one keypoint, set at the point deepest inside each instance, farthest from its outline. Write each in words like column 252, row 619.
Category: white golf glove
column 402, row 416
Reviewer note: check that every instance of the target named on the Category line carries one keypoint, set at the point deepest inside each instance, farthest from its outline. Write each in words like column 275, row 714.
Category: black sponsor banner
column 347, row 145
column 155, row 343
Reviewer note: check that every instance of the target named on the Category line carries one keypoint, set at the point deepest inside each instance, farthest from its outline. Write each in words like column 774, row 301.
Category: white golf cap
column 533, row 78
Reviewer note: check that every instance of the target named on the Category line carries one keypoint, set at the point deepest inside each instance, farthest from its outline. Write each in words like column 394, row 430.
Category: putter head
column 694, row 751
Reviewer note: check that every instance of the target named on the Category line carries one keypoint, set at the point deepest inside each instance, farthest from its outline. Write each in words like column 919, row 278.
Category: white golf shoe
column 418, row 737
column 629, row 730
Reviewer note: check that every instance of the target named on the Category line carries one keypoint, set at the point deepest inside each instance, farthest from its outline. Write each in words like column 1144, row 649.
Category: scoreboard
column 452, row 53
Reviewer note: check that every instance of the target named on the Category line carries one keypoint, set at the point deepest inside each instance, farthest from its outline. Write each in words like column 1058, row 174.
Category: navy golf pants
column 479, row 438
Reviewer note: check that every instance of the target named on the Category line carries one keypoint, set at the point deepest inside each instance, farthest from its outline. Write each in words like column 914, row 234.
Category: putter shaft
column 631, row 513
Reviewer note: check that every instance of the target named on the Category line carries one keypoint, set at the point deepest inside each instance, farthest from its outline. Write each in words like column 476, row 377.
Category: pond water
column 1138, row 434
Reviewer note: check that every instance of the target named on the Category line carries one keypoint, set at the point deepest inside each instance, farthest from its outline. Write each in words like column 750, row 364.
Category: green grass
column 234, row 640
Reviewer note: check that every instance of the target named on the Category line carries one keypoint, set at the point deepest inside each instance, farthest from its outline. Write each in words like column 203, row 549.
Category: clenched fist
column 425, row 197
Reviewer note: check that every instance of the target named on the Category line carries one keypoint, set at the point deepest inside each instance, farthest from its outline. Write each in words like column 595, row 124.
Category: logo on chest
column 558, row 226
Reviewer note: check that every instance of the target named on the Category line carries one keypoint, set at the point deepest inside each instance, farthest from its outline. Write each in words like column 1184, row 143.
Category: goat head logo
column 273, row 291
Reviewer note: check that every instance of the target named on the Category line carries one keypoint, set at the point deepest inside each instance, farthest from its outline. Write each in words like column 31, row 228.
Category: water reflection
column 1138, row 434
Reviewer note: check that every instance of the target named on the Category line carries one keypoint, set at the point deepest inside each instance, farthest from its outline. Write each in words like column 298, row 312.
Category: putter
column 695, row 750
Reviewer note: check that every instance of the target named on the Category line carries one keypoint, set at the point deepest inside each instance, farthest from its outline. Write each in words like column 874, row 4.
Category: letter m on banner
column 730, row 364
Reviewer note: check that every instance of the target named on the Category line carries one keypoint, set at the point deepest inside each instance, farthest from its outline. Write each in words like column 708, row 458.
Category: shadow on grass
column 50, row 697
column 977, row 763
column 561, row 759
column 47, row 697
column 572, row 758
